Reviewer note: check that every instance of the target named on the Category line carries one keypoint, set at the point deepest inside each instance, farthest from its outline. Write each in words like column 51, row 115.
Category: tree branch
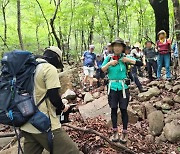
column 52, row 24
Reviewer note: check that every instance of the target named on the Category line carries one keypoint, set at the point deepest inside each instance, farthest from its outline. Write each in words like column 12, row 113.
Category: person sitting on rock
column 118, row 92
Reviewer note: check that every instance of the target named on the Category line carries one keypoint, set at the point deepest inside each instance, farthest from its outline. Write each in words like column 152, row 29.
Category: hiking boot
column 115, row 137
column 124, row 137
column 143, row 89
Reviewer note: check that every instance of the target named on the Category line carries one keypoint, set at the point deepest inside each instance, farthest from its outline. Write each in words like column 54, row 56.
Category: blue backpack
column 17, row 105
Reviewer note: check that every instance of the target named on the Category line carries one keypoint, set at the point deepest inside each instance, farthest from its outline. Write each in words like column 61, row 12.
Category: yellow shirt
column 46, row 77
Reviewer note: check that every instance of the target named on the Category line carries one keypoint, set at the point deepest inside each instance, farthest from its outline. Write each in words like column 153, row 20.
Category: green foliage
column 136, row 21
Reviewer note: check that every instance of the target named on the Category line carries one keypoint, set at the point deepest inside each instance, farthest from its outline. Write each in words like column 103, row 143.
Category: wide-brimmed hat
column 162, row 32
column 118, row 41
column 56, row 50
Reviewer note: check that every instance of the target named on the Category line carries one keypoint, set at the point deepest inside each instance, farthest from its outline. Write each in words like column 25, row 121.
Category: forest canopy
column 78, row 23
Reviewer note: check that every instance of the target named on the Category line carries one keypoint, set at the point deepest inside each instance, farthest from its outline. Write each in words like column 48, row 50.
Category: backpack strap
column 45, row 97
column 110, row 58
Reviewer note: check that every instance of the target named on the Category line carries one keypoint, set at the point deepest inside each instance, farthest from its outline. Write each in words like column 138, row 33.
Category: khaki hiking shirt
column 46, row 77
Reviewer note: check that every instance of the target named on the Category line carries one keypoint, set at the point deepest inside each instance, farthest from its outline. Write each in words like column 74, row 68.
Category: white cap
column 137, row 45
column 91, row 46
column 55, row 49
column 109, row 44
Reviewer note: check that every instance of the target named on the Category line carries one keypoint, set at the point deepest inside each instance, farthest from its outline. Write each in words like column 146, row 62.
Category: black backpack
column 17, row 105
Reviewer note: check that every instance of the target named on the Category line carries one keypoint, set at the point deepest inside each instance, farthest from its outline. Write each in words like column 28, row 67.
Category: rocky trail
column 154, row 118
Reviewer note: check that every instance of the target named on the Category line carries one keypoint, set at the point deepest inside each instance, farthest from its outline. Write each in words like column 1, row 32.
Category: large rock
column 168, row 100
column 177, row 99
column 88, row 98
column 100, row 107
column 69, row 94
column 156, row 122
column 158, row 105
column 168, row 86
column 172, row 131
column 149, row 94
column 149, row 108
column 171, row 117
column 68, row 78
column 176, row 88
column 154, row 83
column 166, row 106
column 139, row 110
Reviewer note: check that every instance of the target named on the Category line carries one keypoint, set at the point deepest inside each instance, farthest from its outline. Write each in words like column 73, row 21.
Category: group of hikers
column 121, row 64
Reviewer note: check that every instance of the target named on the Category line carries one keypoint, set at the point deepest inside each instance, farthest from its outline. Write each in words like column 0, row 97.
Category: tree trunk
column 177, row 22
column 19, row 24
column 53, row 27
column 161, row 12
column 91, row 31
column 4, row 5
column 47, row 23
column 37, row 37
column 111, row 25
column 118, row 18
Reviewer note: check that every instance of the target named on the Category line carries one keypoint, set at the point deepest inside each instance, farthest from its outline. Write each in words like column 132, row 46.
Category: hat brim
column 123, row 44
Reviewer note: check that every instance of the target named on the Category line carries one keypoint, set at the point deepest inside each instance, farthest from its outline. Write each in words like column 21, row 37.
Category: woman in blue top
column 118, row 93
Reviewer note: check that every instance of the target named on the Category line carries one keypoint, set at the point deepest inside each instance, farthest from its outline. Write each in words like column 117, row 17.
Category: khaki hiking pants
column 62, row 143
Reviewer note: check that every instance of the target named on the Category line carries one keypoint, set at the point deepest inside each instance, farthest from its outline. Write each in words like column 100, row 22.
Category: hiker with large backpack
column 33, row 101
column 118, row 92
column 163, row 46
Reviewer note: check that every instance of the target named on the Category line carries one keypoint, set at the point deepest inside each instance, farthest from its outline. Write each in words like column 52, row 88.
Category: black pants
column 151, row 65
column 116, row 100
column 99, row 75
column 134, row 77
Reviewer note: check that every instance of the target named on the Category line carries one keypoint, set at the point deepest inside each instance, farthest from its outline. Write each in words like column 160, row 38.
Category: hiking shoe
column 115, row 137
column 124, row 137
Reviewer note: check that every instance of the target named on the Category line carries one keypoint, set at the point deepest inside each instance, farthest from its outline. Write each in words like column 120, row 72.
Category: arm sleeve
column 52, row 83
column 84, row 54
column 55, row 99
